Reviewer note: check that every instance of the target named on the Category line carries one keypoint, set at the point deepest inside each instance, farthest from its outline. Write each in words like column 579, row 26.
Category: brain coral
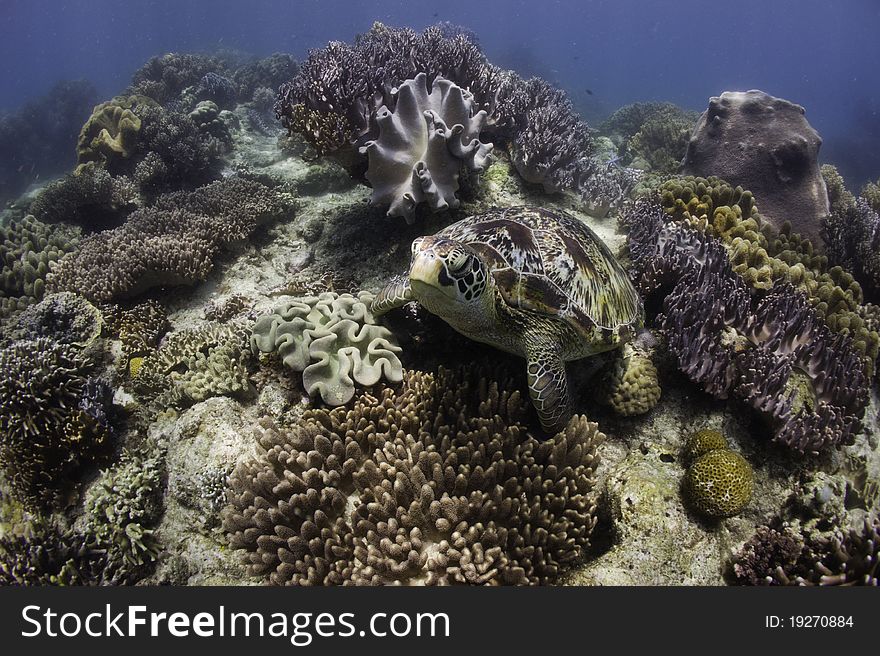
column 437, row 484
column 334, row 340
column 422, row 145
column 719, row 483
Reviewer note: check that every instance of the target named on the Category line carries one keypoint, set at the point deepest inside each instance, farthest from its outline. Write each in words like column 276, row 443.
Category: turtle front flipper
column 548, row 385
column 395, row 294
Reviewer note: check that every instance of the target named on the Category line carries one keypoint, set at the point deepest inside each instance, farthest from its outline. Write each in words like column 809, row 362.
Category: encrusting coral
column 439, row 483
column 422, row 145
column 334, row 341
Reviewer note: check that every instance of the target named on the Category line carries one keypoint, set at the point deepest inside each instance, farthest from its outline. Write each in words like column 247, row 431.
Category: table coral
column 439, row 483
column 334, row 341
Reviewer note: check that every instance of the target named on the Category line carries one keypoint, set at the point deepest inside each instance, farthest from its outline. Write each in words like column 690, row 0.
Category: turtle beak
column 426, row 268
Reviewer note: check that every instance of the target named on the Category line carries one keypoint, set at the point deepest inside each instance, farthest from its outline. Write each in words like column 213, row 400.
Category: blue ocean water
column 821, row 54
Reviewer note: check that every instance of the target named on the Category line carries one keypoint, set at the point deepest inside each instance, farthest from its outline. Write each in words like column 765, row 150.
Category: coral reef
column 110, row 134
column 65, row 317
column 718, row 484
column 422, row 145
column 197, row 363
column 36, row 139
column 89, row 197
column 334, row 341
column 120, row 510
column 28, row 251
column 218, row 89
column 270, row 72
column 656, row 134
column 173, row 242
column 335, row 100
column 437, row 484
column 775, row 156
column 53, row 417
column 778, row 554
column 163, row 78
column 772, row 350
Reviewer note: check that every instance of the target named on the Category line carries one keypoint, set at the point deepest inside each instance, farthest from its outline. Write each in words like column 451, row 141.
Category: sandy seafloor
column 336, row 241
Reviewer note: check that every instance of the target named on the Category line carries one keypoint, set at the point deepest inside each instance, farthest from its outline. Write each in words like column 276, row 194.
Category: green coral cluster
column 122, row 508
column 655, row 133
column 28, row 251
column 334, row 340
column 194, row 364
column 718, row 482
column 633, row 384
column 764, row 256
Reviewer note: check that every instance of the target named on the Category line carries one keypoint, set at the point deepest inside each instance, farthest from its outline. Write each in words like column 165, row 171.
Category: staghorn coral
column 333, row 340
column 422, row 145
column 29, row 250
column 48, row 554
column 171, row 243
column 440, row 483
column 89, row 197
column 718, row 484
column 198, row 363
column 53, row 417
column 269, row 72
column 779, row 554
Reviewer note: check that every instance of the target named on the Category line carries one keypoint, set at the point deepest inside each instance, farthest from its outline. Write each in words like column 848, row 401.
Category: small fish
column 576, row 57
column 589, row 92
column 436, row 14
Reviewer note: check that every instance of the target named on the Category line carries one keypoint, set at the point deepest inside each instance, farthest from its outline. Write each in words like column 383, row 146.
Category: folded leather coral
column 439, row 483
column 334, row 341
column 423, row 144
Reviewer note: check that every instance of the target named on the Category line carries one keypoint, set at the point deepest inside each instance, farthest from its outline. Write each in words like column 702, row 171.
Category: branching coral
column 655, row 132
column 779, row 555
column 440, row 483
column 171, row 243
column 29, row 249
column 162, row 78
column 335, row 99
column 423, row 144
column 89, row 197
column 271, row 72
column 334, row 340
column 53, row 417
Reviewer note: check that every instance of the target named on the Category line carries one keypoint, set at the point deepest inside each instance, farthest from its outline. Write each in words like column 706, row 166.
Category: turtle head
column 444, row 271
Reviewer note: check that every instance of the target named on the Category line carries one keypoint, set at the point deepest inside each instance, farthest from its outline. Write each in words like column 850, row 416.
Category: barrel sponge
column 423, row 142
column 719, row 483
column 333, row 340
column 634, row 387
column 438, row 483
column 111, row 133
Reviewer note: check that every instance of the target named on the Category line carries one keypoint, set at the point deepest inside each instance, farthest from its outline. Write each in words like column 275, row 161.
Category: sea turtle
column 533, row 282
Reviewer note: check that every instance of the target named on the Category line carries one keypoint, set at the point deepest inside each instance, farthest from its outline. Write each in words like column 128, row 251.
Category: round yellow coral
column 633, row 387
column 701, row 443
column 719, row 484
